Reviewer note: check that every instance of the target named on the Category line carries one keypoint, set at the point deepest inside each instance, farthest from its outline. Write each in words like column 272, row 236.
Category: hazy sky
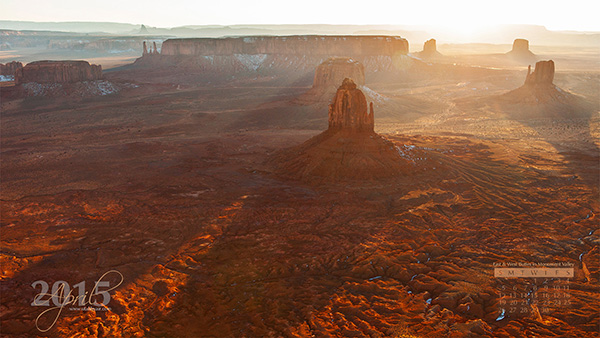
column 462, row 15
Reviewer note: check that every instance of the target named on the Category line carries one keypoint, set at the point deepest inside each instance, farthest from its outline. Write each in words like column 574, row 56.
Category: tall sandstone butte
column 539, row 97
column 349, row 150
column 543, row 75
column 58, row 72
column 429, row 49
column 349, row 110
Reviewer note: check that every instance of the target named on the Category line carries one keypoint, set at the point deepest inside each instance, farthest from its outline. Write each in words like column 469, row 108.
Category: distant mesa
column 291, row 57
column 10, row 68
column 520, row 46
column 520, row 51
column 328, row 76
column 539, row 97
column 348, row 150
column 429, row 50
column 58, row 72
column 321, row 45
column 62, row 79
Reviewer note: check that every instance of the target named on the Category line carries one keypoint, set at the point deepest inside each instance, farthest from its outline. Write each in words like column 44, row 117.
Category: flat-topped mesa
column 334, row 70
column 543, row 75
column 323, row 45
column 58, row 72
column 10, row 68
column 284, row 58
column 349, row 112
column 520, row 46
column 520, row 50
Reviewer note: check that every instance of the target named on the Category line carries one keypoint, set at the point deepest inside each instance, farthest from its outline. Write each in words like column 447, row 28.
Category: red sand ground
column 175, row 190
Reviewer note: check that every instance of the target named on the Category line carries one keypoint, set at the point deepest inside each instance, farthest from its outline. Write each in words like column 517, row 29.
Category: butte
column 520, row 51
column 539, row 97
column 349, row 150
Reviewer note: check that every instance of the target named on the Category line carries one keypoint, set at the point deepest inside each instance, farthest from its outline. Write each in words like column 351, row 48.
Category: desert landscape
column 298, row 185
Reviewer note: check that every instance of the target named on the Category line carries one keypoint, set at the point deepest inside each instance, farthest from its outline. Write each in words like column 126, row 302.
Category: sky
column 460, row 15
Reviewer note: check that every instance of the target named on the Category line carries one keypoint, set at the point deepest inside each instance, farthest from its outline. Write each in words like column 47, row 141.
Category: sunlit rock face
column 58, row 72
column 543, row 75
column 349, row 110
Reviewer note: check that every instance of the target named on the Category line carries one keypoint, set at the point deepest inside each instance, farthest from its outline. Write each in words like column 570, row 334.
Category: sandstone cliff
column 58, row 72
column 293, row 58
column 302, row 44
column 10, row 68
column 349, row 111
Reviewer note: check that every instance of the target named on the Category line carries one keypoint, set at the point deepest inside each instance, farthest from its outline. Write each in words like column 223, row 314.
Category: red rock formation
column 429, row 49
column 145, row 49
column 539, row 97
column 155, row 49
column 289, row 57
column 58, row 72
column 329, row 75
column 348, row 111
column 520, row 51
column 520, row 46
column 430, row 46
column 10, row 68
column 334, row 70
column 302, row 44
column 349, row 150
column 543, row 75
